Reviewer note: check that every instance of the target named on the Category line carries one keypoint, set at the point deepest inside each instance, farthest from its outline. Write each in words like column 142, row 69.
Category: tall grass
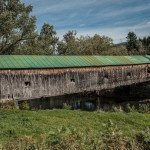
column 121, row 128
column 68, row 138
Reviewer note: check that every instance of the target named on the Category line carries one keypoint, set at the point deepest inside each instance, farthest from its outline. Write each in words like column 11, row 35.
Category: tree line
column 18, row 35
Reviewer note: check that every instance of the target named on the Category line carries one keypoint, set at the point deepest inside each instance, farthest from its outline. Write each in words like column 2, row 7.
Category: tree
column 47, row 39
column 132, row 43
column 69, row 44
column 85, row 45
column 95, row 45
column 29, row 47
column 146, row 44
column 140, row 47
column 116, row 50
column 16, row 25
column 43, row 44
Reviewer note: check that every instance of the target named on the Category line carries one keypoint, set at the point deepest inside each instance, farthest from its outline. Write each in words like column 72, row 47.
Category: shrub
column 112, row 137
column 66, row 106
column 144, row 138
column 8, row 104
column 25, row 143
column 117, row 109
column 130, row 108
column 144, row 108
column 24, row 106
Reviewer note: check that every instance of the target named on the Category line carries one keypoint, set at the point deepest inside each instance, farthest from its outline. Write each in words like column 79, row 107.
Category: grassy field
column 17, row 124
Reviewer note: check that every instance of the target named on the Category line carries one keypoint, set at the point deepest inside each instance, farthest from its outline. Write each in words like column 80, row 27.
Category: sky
column 113, row 18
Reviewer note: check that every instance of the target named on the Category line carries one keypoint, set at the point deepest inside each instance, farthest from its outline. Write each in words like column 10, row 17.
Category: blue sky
column 113, row 18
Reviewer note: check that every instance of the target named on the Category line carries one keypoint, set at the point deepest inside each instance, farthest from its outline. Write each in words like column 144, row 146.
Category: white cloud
column 105, row 17
column 126, row 11
column 81, row 25
column 47, row 7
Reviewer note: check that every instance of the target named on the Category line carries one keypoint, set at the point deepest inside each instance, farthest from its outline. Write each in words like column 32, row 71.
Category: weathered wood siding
column 36, row 83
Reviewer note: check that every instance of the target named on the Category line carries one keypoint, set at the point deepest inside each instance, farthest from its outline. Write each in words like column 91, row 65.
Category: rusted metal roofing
column 32, row 61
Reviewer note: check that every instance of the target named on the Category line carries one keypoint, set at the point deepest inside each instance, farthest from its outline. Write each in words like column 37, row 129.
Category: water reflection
column 92, row 101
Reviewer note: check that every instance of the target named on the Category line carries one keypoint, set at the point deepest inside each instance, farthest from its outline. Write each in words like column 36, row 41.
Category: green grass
column 15, row 124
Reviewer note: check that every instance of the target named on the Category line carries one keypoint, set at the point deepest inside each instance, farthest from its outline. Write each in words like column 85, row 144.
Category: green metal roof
column 32, row 61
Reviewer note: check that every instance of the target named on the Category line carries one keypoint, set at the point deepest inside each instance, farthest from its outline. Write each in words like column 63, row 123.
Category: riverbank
column 53, row 128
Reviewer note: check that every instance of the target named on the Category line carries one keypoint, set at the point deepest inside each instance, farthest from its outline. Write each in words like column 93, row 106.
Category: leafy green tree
column 43, row 44
column 131, row 45
column 85, row 45
column 141, row 49
column 29, row 47
column 116, row 50
column 70, row 36
column 146, row 44
column 95, row 45
column 69, row 44
column 16, row 25
column 47, row 39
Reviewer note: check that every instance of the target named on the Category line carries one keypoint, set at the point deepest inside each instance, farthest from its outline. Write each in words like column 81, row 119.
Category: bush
column 112, row 137
column 25, row 143
column 24, row 106
column 8, row 104
column 66, row 106
column 144, row 108
column 130, row 108
column 144, row 138
column 117, row 109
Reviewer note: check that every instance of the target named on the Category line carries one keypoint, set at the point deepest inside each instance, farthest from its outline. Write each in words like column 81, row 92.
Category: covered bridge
column 25, row 77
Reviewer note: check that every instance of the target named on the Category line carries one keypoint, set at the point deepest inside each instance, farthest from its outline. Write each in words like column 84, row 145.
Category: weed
column 144, row 138
column 66, row 106
column 73, row 130
column 24, row 106
column 144, row 108
column 8, row 104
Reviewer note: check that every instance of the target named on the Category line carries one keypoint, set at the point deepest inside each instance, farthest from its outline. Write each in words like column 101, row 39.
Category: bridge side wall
column 29, row 84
